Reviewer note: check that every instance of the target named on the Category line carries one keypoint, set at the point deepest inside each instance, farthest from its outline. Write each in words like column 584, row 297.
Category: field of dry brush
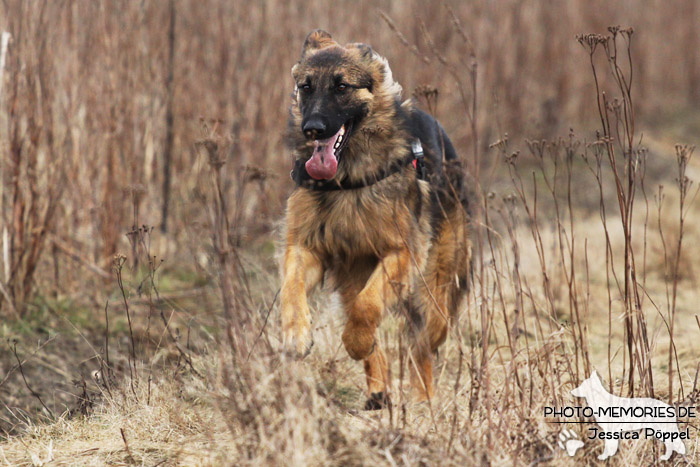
column 143, row 178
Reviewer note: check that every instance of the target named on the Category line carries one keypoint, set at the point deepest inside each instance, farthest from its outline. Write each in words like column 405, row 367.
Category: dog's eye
column 342, row 87
column 305, row 88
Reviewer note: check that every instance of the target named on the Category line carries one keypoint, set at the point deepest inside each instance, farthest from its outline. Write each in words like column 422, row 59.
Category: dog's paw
column 359, row 340
column 377, row 401
column 569, row 442
column 298, row 343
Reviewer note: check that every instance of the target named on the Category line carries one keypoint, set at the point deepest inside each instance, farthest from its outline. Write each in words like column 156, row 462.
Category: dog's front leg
column 385, row 285
column 301, row 271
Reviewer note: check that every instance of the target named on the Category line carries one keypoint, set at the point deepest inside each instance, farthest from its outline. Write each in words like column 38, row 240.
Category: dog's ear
column 316, row 40
column 364, row 50
column 594, row 375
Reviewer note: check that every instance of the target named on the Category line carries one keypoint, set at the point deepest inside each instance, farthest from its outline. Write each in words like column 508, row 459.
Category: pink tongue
column 323, row 165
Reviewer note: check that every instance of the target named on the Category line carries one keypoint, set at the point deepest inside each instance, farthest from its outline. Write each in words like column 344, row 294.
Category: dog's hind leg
column 446, row 276
column 420, row 359
column 421, row 363
column 377, row 376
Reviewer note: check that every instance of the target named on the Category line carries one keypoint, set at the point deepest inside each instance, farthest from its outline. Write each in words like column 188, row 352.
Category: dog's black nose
column 313, row 127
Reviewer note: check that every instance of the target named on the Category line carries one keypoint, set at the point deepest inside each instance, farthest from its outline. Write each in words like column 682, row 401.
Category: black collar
column 304, row 180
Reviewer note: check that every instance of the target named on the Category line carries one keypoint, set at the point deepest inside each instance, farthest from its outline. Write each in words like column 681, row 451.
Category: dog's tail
column 448, row 150
column 432, row 135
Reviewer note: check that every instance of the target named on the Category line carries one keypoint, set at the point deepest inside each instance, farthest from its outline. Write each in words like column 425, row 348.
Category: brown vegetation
column 126, row 344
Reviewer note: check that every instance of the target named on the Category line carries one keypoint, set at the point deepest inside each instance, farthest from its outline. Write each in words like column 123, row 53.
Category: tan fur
column 374, row 244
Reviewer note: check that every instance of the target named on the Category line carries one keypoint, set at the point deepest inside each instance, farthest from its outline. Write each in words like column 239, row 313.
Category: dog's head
column 336, row 91
column 587, row 387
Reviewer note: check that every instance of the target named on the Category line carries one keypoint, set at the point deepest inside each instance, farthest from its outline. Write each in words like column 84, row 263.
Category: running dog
column 380, row 210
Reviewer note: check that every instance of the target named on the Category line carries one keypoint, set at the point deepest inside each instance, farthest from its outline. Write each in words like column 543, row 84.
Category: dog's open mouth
column 324, row 162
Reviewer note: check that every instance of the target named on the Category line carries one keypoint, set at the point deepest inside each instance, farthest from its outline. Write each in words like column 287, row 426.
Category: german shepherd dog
column 379, row 210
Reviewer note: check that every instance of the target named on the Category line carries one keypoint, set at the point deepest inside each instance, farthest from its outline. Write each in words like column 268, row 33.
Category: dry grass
column 113, row 118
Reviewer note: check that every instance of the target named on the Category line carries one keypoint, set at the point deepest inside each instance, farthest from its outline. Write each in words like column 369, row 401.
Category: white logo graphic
column 617, row 416
column 569, row 442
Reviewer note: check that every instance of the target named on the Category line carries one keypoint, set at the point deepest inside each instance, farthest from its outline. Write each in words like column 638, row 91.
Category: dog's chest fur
column 363, row 222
